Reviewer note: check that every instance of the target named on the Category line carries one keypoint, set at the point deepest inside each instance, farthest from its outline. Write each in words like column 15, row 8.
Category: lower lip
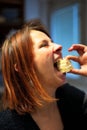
column 63, row 77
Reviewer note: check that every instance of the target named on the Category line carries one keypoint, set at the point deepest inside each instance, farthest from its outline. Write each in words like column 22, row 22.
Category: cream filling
column 64, row 65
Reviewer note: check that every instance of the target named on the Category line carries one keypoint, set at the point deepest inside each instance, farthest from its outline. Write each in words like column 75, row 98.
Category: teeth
column 64, row 65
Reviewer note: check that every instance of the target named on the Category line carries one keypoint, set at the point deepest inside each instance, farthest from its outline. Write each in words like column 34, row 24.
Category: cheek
column 38, row 61
column 49, row 54
column 42, row 58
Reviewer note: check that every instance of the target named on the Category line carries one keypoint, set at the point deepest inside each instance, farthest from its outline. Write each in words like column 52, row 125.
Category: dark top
column 72, row 106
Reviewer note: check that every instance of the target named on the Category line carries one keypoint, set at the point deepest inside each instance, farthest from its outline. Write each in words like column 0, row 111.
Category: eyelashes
column 44, row 44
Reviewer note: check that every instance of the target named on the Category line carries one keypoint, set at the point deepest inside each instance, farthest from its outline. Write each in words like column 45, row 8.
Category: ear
column 16, row 67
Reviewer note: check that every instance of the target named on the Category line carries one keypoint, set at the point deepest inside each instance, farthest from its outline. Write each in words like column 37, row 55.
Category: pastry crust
column 64, row 65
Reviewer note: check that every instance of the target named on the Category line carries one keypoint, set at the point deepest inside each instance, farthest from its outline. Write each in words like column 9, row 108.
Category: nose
column 57, row 48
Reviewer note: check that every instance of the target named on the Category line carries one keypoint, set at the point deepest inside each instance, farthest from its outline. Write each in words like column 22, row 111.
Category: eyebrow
column 46, row 40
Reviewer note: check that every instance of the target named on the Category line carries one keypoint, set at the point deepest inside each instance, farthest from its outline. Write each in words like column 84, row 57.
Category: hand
column 81, row 59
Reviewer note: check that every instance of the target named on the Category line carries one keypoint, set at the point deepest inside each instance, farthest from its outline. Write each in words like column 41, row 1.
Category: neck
column 47, row 108
column 48, row 117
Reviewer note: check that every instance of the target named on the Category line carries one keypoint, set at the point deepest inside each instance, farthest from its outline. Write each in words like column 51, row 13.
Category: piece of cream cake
column 64, row 65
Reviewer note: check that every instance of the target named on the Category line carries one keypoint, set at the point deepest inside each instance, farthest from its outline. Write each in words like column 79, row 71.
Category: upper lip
column 56, row 60
column 57, row 57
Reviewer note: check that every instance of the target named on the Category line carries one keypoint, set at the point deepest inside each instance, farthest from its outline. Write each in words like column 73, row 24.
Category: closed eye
column 44, row 44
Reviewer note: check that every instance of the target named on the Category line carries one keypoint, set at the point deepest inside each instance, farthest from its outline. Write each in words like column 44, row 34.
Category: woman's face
column 46, row 53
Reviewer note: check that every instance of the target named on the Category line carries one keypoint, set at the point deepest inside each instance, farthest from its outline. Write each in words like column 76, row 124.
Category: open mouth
column 56, row 66
column 63, row 65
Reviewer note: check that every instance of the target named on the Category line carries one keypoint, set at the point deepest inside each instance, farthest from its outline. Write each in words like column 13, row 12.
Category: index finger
column 78, row 47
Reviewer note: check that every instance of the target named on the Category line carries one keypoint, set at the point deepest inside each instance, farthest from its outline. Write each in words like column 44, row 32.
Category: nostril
column 58, row 51
column 57, row 48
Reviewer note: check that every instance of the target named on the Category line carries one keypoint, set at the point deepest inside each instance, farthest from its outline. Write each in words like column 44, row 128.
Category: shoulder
column 5, row 118
column 71, row 98
column 72, row 104
column 4, row 115
column 9, row 119
column 70, row 92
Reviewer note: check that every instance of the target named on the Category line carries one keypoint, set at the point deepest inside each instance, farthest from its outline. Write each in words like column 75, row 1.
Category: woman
column 37, row 95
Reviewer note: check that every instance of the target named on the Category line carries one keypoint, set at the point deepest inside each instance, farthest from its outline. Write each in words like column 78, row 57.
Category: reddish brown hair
column 23, row 91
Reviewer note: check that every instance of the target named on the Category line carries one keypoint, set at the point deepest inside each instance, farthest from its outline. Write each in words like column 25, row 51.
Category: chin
column 64, row 81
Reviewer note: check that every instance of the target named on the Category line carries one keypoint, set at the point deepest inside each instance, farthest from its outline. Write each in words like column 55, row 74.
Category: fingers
column 79, row 72
column 77, row 47
column 81, row 59
column 74, row 58
column 81, row 49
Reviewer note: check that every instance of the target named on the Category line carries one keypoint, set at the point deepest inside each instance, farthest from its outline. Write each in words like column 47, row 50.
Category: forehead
column 38, row 36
